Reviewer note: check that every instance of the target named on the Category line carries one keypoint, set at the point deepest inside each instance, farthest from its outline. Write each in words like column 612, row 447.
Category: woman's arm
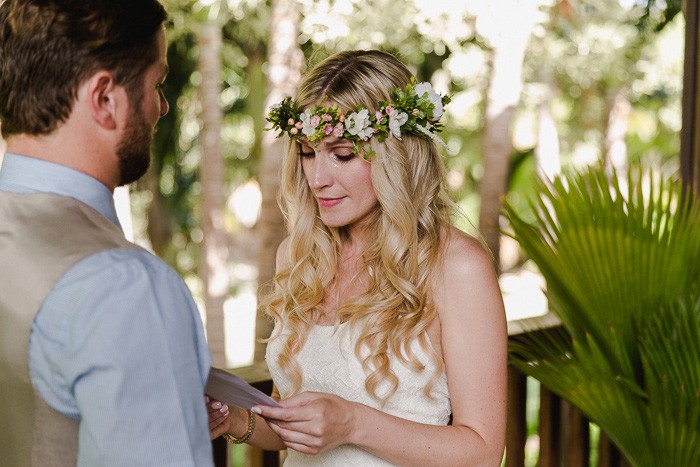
column 474, row 348
column 234, row 421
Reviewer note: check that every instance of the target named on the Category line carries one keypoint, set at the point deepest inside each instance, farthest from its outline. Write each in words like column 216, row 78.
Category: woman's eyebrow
column 340, row 142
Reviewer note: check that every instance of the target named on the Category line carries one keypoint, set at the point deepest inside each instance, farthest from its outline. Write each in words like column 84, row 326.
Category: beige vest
column 41, row 236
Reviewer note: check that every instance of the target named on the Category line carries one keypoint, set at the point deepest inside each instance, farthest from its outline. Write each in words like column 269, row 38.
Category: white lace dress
column 329, row 365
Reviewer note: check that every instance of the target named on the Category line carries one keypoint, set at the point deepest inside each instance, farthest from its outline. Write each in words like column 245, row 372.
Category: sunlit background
column 538, row 87
column 590, row 82
column 598, row 81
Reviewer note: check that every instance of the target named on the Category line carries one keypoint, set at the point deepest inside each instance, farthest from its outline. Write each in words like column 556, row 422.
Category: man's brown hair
column 49, row 47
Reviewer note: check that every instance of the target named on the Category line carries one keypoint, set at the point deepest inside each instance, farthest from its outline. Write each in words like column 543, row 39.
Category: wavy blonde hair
column 408, row 178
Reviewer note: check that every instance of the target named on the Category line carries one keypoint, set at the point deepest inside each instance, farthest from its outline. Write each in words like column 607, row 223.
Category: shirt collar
column 22, row 174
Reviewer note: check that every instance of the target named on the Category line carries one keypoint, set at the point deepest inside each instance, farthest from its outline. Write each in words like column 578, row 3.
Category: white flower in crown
column 308, row 129
column 433, row 97
column 357, row 123
column 396, row 120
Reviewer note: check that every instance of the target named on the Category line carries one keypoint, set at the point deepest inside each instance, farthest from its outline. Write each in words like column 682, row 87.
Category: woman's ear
column 104, row 99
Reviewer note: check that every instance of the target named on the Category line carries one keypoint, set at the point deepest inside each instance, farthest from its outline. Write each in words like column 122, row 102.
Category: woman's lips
column 329, row 202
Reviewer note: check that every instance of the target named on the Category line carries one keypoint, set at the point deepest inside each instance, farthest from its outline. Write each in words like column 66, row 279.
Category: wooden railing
column 563, row 433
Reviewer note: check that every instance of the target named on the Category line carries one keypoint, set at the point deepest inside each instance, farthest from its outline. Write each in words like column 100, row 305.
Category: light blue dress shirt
column 118, row 343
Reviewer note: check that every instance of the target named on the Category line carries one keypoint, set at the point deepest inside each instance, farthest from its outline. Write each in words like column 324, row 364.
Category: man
column 102, row 353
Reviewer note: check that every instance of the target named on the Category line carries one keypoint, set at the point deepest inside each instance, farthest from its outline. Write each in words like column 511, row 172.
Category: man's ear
column 104, row 99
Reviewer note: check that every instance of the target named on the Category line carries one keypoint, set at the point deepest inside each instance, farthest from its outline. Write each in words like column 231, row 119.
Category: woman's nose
column 318, row 173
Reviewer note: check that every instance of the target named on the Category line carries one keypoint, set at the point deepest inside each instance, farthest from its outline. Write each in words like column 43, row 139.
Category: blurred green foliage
column 582, row 52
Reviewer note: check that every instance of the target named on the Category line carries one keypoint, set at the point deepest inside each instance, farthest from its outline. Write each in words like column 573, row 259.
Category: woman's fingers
column 218, row 413
column 288, row 414
column 217, row 419
column 298, row 441
column 216, row 407
column 293, row 436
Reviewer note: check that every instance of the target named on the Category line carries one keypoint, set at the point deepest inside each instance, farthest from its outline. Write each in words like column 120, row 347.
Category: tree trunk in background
column 615, row 144
column 502, row 97
column 213, row 253
column 285, row 62
column 547, row 148
column 158, row 228
column 690, row 133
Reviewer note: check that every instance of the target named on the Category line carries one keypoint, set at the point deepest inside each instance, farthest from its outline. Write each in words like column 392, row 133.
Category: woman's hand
column 311, row 422
column 219, row 420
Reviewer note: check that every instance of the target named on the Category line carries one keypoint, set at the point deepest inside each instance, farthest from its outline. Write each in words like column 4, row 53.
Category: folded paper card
column 233, row 391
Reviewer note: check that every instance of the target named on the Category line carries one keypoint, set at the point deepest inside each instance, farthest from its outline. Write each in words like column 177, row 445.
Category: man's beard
column 134, row 150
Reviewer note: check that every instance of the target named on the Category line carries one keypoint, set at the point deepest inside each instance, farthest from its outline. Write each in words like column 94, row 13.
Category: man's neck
column 59, row 148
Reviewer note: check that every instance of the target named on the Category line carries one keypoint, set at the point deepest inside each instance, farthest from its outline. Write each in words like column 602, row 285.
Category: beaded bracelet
column 248, row 434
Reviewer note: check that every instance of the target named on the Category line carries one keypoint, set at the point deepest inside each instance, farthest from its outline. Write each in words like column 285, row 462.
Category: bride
column 390, row 338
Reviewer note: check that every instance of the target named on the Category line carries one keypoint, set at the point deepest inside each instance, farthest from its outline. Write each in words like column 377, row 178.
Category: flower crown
column 415, row 111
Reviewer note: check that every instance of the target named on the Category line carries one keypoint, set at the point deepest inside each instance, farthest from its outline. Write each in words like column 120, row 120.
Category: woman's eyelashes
column 344, row 156
column 341, row 154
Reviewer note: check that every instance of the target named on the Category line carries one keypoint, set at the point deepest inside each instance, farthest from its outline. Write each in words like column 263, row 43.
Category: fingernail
column 216, row 405
column 256, row 410
column 223, row 409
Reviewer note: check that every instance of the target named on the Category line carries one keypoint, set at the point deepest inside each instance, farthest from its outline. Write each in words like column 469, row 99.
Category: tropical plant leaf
column 621, row 258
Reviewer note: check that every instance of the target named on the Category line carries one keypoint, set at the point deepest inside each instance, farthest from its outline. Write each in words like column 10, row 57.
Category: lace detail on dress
column 329, row 365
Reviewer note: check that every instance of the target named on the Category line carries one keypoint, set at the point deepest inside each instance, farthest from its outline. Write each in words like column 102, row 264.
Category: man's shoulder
column 54, row 222
column 133, row 262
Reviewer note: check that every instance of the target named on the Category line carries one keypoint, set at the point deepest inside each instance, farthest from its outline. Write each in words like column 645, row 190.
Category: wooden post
column 608, row 454
column 690, row 132
column 576, row 437
column 549, row 429
column 516, row 428
column 219, row 447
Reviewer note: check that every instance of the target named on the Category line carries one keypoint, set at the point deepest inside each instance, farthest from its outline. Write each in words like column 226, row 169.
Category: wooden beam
column 516, row 427
column 549, row 429
column 576, row 437
column 219, row 448
column 608, row 454
column 690, row 132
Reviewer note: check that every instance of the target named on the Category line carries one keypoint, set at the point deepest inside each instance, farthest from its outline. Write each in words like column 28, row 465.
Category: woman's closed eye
column 344, row 156
column 343, row 153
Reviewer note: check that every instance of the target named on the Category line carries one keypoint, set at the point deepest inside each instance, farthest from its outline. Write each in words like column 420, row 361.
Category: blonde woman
column 390, row 337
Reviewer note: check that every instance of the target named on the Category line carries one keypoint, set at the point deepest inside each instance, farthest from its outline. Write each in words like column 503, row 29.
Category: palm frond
column 621, row 259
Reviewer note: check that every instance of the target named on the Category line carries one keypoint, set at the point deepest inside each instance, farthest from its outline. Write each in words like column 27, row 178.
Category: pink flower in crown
column 327, row 118
column 379, row 116
column 338, row 132
column 298, row 125
column 315, row 120
column 341, row 119
column 328, row 129
column 389, row 109
column 294, row 131
column 290, row 121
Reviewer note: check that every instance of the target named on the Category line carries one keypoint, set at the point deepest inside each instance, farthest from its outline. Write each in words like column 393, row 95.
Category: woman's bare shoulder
column 465, row 279
column 463, row 255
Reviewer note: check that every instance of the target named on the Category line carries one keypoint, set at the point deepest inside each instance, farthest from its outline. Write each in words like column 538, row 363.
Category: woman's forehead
column 329, row 140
